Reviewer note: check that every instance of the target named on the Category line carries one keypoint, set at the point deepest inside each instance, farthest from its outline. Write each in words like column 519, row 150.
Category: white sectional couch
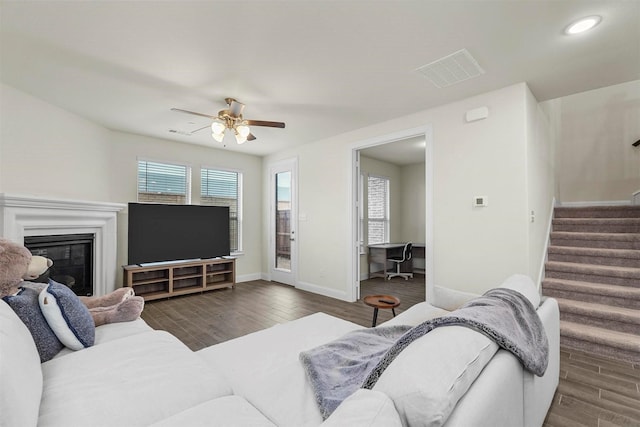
column 136, row 376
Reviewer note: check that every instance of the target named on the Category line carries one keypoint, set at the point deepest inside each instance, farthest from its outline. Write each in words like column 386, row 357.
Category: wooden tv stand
column 173, row 279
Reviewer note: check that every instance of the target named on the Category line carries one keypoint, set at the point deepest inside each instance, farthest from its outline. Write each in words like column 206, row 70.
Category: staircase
column 593, row 270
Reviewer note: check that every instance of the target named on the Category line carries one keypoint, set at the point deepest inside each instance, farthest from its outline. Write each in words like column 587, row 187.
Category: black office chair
column 406, row 256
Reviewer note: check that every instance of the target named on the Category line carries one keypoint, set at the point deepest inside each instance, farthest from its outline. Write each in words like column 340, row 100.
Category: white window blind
column 163, row 182
column 224, row 188
column 377, row 210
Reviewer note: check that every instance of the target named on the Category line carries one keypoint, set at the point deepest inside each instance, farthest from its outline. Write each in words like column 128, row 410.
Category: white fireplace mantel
column 22, row 216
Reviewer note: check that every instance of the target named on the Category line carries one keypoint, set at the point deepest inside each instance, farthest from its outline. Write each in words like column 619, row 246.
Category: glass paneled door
column 283, row 222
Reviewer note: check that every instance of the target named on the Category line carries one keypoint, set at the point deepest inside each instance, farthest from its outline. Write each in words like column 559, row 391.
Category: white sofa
column 136, row 376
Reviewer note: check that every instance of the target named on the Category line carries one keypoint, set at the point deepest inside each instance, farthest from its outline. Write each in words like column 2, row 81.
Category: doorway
column 409, row 218
column 283, row 222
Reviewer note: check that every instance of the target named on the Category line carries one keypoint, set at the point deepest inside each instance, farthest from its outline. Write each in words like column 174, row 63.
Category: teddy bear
column 18, row 265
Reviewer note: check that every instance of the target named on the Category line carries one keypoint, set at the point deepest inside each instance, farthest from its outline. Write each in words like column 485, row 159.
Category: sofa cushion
column 264, row 368
column 365, row 408
column 20, row 373
column 67, row 316
column 132, row 381
column 228, row 411
column 428, row 378
column 25, row 304
column 524, row 285
column 416, row 315
column 114, row 331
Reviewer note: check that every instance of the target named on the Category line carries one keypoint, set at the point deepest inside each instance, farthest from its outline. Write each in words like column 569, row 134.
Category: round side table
column 381, row 301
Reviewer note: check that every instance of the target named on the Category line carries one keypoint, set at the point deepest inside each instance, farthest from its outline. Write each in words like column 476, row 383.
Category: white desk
column 378, row 255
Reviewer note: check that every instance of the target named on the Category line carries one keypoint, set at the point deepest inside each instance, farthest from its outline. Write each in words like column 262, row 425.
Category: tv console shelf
column 173, row 279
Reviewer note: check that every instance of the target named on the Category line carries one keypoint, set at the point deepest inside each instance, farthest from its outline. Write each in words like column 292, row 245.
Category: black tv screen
column 160, row 232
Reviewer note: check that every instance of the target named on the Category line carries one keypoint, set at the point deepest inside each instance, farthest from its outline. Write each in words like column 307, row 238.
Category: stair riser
column 597, row 260
column 593, row 278
column 597, row 213
column 597, row 228
column 600, row 349
column 594, row 298
column 600, row 322
column 596, row 244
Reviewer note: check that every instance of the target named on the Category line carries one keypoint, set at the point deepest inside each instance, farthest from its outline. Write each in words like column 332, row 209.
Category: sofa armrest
column 539, row 391
column 450, row 299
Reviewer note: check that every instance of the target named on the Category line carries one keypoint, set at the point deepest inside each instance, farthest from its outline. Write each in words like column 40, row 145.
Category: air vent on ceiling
column 452, row 69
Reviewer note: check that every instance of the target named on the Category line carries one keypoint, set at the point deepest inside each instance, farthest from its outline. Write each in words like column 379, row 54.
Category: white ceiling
column 323, row 67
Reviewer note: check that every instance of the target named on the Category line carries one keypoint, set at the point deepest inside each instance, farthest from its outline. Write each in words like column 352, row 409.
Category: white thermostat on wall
column 480, row 201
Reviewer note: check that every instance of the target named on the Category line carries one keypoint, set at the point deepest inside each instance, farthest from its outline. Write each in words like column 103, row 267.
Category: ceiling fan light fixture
column 217, row 127
column 243, row 130
column 218, row 136
column 239, row 138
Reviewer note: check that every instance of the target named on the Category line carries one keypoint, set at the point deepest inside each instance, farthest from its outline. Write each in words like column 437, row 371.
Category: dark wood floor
column 593, row 391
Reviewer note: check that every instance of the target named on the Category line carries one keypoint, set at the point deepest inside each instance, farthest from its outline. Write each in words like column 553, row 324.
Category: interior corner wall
column 595, row 159
column 474, row 248
column 127, row 148
column 50, row 152
column 47, row 151
column 369, row 166
column 540, row 165
column 413, row 213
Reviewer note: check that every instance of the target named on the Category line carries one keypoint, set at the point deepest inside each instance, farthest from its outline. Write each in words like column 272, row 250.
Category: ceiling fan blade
column 235, row 108
column 198, row 130
column 265, row 123
column 251, row 137
column 194, row 113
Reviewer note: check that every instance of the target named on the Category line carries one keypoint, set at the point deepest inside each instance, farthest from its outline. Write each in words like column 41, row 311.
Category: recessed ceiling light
column 583, row 25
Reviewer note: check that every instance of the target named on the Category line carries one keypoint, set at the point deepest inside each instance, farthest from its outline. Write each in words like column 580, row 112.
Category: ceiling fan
column 231, row 118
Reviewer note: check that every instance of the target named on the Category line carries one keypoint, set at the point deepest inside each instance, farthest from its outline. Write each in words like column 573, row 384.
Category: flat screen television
column 159, row 233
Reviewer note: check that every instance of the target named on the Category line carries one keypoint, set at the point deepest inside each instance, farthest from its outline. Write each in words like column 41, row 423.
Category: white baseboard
column 332, row 293
column 595, row 203
column 248, row 277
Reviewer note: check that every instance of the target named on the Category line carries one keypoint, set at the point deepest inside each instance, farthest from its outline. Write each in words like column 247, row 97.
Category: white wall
column 369, row 166
column 125, row 149
column 49, row 152
column 595, row 159
column 474, row 248
column 413, row 213
column 541, row 139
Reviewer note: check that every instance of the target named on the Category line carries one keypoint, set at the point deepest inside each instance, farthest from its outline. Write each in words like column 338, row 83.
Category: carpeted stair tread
column 604, row 289
column 597, row 225
column 596, row 240
column 599, row 256
column 600, row 336
column 621, row 211
column 601, row 311
column 625, row 275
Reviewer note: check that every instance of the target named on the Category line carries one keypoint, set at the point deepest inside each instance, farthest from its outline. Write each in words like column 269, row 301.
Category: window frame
column 240, row 201
column 386, row 220
column 188, row 180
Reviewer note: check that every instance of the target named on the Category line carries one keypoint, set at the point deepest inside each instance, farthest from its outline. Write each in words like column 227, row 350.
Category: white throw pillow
column 20, row 372
column 428, row 378
column 365, row 408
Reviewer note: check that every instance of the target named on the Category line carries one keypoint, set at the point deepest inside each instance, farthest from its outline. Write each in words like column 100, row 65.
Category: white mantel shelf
column 22, row 215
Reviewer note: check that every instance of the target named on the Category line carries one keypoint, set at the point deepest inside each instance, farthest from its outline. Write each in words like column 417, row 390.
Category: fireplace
column 26, row 217
column 72, row 256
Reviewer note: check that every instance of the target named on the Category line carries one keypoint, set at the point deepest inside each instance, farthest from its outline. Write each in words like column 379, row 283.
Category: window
column 377, row 210
column 163, row 183
column 224, row 188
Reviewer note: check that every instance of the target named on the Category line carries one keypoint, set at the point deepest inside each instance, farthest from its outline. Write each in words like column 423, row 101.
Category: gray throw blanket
column 358, row 359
